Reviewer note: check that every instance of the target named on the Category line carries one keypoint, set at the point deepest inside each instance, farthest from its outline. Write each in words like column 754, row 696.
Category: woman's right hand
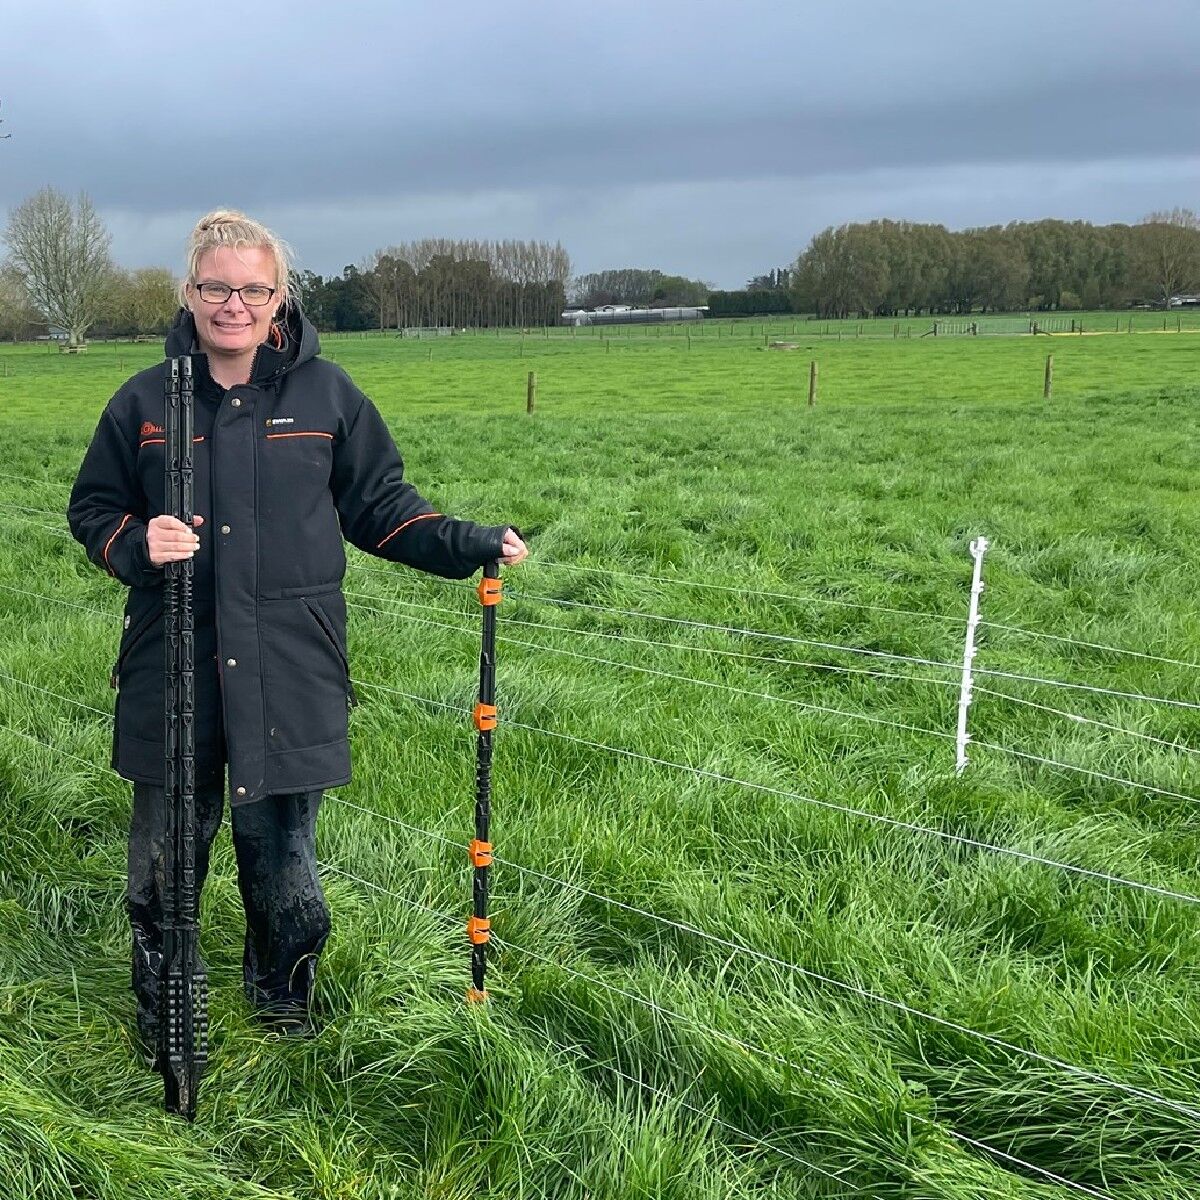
column 169, row 540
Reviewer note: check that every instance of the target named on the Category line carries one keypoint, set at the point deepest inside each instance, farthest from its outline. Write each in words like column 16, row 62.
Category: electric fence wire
column 725, row 687
column 748, row 1048
column 1145, row 787
column 622, row 637
column 795, row 597
column 879, row 818
column 806, row 972
column 1088, row 771
column 781, row 637
column 846, row 810
column 1080, row 719
column 744, row 1045
column 797, row 796
column 1041, row 760
column 862, row 993
column 831, row 646
column 802, row 598
column 1058, row 637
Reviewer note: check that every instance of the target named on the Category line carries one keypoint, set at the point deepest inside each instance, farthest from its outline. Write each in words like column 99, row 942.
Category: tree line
column 60, row 274
column 443, row 282
column 892, row 268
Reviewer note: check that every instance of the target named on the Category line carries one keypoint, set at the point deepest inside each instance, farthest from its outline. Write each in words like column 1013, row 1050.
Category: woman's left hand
column 515, row 550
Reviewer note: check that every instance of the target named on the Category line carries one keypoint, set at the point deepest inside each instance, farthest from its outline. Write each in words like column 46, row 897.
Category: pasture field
column 889, row 996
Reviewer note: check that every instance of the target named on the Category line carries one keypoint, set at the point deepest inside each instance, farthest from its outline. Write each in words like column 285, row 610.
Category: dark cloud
column 368, row 123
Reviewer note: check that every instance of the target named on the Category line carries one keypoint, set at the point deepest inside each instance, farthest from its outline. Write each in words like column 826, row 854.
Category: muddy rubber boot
column 287, row 919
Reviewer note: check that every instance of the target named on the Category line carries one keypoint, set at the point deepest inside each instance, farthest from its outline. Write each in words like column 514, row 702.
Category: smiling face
column 233, row 329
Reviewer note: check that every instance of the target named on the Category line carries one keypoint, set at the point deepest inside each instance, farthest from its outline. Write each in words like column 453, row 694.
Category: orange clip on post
column 490, row 591
column 481, row 853
column 485, row 717
column 479, row 930
column 476, row 995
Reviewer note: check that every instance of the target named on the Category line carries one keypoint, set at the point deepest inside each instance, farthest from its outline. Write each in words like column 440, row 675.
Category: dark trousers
column 287, row 921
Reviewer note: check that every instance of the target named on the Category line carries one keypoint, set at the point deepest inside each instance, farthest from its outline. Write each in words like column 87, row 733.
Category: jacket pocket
column 329, row 629
column 305, row 687
column 130, row 637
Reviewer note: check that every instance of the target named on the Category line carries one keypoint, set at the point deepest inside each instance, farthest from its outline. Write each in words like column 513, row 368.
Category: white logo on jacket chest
column 281, row 421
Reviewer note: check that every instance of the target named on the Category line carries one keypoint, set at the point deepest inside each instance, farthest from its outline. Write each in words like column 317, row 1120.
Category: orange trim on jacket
column 110, row 541
column 401, row 528
column 279, row 435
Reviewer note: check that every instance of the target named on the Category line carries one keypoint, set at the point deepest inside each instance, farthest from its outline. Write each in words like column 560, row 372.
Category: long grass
column 623, row 1053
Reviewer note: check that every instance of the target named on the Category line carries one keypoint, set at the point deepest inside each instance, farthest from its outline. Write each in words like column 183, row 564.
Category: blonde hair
column 227, row 227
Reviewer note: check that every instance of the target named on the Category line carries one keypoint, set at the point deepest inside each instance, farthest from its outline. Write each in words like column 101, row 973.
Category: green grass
column 700, row 464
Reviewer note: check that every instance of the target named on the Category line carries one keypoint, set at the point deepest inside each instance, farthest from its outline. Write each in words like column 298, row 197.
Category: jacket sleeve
column 105, row 505
column 384, row 515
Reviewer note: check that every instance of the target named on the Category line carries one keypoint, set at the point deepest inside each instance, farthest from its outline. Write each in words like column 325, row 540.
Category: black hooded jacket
column 285, row 466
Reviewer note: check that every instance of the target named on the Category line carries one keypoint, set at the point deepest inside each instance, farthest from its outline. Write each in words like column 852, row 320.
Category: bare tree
column 62, row 252
column 141, row 302
column 18, row 318
column 1170, row 251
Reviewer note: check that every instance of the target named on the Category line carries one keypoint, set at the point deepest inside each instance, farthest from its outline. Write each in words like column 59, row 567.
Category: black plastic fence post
column 478, row 925
column 183, row 1024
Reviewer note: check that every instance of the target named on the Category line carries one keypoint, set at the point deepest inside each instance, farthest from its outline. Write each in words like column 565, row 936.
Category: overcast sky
column 710, row 139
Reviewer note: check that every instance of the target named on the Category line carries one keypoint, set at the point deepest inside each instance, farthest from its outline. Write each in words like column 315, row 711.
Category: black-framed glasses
column 253, row 294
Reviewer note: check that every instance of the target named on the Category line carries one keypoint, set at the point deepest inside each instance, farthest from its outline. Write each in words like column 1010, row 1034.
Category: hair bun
column 217, row 219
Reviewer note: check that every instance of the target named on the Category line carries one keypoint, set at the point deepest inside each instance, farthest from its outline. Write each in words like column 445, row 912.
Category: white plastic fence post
column 978, row 550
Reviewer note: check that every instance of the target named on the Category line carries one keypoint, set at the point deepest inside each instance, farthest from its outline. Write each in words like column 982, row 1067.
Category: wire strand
column 879, row 818
column 1058, row 637
column 866, row 994
column 808, row 799
column 725, row 687
column 920, row 1118
column 916, row 660
column 621, row 637
column 56, row 695
column 800, row 598
column 744, row 1045
column 58, row 600
column 1079, row 719
column 794, row 597
column 1062, row 766
column 781, row 637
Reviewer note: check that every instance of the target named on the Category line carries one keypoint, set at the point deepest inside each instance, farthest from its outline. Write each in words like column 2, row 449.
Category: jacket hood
column 298, row 342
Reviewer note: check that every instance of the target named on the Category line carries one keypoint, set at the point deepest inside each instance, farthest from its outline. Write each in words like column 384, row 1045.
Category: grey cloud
column 424, row 113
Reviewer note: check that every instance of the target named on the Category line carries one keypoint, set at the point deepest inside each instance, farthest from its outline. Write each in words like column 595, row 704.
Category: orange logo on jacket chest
column 148, row 427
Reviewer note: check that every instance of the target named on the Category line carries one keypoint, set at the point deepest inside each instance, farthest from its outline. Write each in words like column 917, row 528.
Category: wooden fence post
column 812, row 383
column 531, row 391
column 1048, row 386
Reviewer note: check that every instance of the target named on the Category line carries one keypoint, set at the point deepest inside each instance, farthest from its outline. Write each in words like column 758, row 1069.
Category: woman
column 289, row 458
